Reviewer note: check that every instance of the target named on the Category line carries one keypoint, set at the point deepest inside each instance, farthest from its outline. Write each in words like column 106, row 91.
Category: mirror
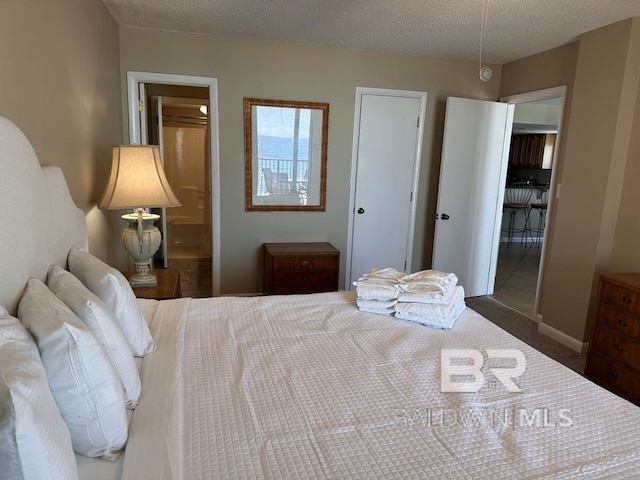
column 285, row 148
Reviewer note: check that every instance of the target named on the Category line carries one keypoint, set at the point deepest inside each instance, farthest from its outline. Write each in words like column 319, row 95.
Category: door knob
column 361, row 210
column 444, row 216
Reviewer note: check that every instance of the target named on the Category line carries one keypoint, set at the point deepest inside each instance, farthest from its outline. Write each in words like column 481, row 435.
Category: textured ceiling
column 440, row 28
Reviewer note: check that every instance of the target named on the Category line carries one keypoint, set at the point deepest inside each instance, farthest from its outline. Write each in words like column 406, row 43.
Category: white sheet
column 154, row 449
column 309, row 387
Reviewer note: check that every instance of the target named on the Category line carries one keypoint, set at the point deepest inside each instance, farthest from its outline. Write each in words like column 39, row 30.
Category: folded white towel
column 433, row 315
column 428, row 281
column 389, row 273
column 374, row 291
column 418, row 288
column 438, row 297
column 375, row 304
column 378, row 311
column 375, row 281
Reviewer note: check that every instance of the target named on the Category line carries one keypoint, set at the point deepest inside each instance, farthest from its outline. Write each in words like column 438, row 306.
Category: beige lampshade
column 137, row 180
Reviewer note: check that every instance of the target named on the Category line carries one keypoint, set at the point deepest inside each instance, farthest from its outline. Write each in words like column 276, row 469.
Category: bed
column 307, row 386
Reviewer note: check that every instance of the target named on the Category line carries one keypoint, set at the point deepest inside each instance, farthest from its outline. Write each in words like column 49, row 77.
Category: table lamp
column 138, row 181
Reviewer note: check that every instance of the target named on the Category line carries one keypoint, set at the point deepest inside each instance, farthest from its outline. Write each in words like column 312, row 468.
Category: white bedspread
column 309, row 387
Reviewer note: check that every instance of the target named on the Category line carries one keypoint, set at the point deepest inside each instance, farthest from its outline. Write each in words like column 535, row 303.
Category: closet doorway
column 179, row 114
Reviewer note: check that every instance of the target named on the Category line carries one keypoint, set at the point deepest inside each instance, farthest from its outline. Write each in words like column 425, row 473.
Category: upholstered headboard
column 39, row 221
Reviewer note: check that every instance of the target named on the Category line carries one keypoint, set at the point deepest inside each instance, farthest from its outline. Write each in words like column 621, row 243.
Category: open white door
column 475, row 148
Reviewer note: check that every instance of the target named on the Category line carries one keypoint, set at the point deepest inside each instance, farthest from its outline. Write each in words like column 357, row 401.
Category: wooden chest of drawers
column 614, row 351
column 300, row 268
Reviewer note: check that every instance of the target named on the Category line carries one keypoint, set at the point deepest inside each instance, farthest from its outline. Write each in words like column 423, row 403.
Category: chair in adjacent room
column 516, row 199
column 541, row 208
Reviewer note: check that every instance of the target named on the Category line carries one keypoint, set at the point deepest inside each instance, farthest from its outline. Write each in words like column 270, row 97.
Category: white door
column 387, row 146
column 475, row 148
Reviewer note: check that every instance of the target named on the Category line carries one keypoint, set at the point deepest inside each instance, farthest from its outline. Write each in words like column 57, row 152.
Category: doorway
column 179, row 125
column 387, row 145
column 532, row 161
column 182, row 98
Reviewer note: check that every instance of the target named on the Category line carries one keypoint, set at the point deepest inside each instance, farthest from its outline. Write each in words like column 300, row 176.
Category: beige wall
column 596, row 156
column 594, row 216
column 545, row 70
column 62, row 80
column 60, row 84
column 548, row 69
column 251, row 68
column 625, row 256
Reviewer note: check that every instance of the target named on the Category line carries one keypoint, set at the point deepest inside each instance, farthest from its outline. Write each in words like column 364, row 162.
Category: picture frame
column 285, row 145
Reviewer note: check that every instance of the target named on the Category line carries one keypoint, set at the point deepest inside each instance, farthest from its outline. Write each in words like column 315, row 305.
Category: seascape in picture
column 283, row 150
column 285, row 155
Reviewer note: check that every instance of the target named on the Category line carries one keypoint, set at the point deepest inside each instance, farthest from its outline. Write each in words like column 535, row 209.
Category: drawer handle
column 614, row 374
column 304, row 263
column 622, row 322
column 618, row 347
column 626, row 299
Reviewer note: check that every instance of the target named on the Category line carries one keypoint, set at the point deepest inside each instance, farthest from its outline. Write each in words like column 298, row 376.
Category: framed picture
column 285, row 148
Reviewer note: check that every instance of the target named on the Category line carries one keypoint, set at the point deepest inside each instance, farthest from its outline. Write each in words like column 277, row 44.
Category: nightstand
column 168, row 285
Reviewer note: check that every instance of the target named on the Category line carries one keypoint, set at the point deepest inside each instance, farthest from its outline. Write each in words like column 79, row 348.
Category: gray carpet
column 526, row 330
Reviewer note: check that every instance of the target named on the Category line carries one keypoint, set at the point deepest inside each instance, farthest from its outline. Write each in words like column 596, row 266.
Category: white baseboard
column 563, row 338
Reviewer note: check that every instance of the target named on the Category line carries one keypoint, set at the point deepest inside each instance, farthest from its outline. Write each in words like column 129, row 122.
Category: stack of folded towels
column 429, row 297
column 377, row 292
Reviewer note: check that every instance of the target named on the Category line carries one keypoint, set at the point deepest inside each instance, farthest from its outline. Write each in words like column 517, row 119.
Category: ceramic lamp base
column 141, row 238
column 143, row 278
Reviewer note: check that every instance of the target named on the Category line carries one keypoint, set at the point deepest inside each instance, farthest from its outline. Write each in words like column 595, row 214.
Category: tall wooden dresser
column 614, row 352
column 300, row 268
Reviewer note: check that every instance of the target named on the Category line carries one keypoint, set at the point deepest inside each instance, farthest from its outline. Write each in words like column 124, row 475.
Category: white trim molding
column 563, row 338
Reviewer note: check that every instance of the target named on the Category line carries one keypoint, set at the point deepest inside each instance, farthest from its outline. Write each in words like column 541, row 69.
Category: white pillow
column 114, row 290
column 35, row 441
column 102, row 323
column 10, row 465
column 87, row 390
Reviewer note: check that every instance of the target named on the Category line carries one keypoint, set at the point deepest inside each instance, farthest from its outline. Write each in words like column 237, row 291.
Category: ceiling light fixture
column 485, row 72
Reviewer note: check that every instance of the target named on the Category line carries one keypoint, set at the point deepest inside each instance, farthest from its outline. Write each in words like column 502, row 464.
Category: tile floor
column 517, row 275
column 195, row 270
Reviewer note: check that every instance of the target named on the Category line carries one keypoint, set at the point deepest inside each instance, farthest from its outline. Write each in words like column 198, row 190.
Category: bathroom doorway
column 180, row 127
column 195, row 279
